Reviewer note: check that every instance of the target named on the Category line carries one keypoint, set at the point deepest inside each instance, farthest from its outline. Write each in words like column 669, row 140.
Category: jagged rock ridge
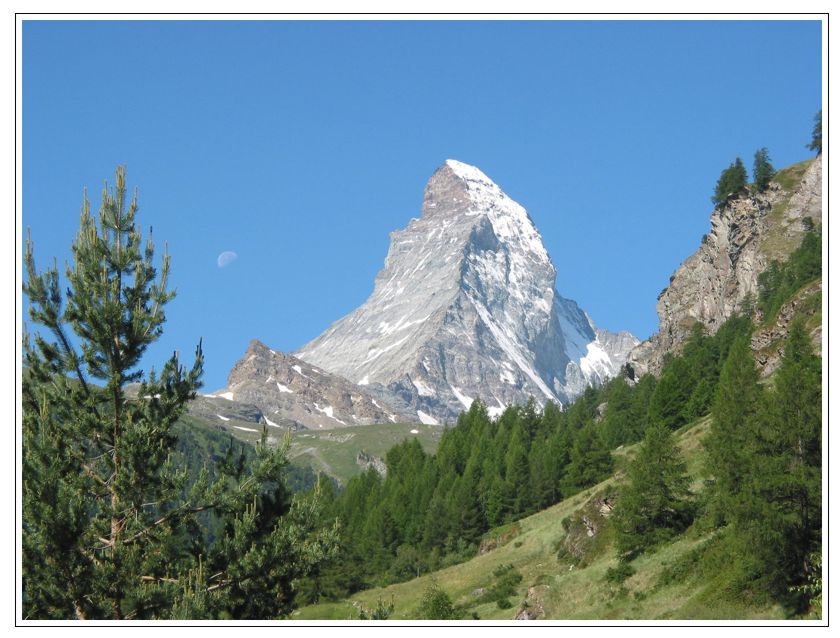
column 466, row 306
column 747, row 232
column 293, row 393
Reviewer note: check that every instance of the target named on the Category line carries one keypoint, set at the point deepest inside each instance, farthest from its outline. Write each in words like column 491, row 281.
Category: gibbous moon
column 227, row 257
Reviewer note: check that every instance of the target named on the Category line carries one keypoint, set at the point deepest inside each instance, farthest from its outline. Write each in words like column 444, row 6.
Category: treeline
column 431, row 511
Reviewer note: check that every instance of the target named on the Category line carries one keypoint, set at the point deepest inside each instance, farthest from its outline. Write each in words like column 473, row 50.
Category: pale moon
column 227, row 257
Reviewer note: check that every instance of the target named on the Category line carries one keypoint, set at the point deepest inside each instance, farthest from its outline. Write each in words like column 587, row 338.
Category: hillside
column 571, row 587
column 750, row 546
column 342, row 454
column 338, row 453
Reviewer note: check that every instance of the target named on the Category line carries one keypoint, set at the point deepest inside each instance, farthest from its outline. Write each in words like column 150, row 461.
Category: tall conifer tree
column 779, row 515
column 763, row 170
column 731, row 442
column 653, row 505
column 105, row 511
column 115, row 491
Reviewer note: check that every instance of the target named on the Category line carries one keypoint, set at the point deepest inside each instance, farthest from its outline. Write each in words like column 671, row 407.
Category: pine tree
column 109, row 522
column 115, row 493
column 499, row 502
column 617, row 426
column 654, row 504
column 672, row 393
column 763, row 170
column 731, row 440
column 779, row 513
column 731, row 181
column 816, row 134
column 466, row 509
column 591, row 461
column 517, row 471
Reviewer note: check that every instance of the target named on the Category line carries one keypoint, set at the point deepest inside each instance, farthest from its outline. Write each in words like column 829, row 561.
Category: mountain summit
column 466, row 306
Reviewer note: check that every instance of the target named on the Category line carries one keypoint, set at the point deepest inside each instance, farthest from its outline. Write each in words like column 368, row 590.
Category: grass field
column 565, row 588
column 332, row 452
column 335, row 452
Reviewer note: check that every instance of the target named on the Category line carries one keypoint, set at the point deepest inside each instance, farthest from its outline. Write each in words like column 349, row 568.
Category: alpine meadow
column 460, row 440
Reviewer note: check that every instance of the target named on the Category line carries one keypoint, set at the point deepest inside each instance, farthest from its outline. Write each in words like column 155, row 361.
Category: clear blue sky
column 300, row 146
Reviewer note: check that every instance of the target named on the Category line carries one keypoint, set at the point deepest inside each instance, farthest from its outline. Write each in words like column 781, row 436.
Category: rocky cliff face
column 292, row 393
column 746, row 234
column 466, row 306
column 768, row 342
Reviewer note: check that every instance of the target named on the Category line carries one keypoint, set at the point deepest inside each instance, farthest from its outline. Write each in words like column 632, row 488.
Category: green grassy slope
column 571, row 586
column 779, row 241
column 332, row 452
column 335, row 452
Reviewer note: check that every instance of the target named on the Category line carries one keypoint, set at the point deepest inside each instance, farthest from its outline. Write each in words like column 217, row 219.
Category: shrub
column 436, row 605
column 620, row 572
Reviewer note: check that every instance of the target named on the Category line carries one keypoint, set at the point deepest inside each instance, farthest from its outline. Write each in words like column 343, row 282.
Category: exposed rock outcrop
column 583, row 528
column 747, row 232
column 287, row 391
column 365, row 461
column 533, row 608
column 768, row 343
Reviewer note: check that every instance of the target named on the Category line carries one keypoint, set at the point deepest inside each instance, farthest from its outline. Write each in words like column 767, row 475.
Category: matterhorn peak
column 468, row 172
column 466, row 306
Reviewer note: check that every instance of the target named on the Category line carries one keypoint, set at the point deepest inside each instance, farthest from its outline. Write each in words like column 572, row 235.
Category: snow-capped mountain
column 466, row 306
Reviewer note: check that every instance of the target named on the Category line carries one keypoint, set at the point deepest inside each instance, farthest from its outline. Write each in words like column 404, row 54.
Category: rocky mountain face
column 466, row 306
column 747, row 233
column 768, row 342
column 290, row 393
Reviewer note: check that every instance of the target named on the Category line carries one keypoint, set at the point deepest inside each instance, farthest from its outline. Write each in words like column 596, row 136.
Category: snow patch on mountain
column 466, row 307
column 426, row 419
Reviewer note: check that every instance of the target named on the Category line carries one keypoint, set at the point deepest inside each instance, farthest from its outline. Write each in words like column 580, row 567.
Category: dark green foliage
column 672, row 393
column 700, row 400
column 731, row 182
column 437, row 605
column 115, row 515
column 763, row 170
column 737, row 400
column 93, row 458
column 778, row 512
column 701, row 356
column 591, row 461
column 507, row 579
column 619, row 573
column 781, row 280
column 627, row 410
column 433, row 511
column 654, row 504
column 765, row 452
column 619, row 425
column 816, row 134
